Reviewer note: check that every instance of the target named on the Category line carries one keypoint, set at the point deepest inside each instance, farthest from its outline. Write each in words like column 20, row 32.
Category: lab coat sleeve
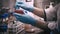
column 50, row 14
column 51, row 17
column 58, row 19
column 55, row 24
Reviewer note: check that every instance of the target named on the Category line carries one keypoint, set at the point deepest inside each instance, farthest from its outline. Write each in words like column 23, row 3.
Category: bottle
column 51, row 5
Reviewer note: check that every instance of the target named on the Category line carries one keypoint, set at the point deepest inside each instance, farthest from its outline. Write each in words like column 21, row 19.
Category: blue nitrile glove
column 25, row 18
column 24, row 6
column 17, row 6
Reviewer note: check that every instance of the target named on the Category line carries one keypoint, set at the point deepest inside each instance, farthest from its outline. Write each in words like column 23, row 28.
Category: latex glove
column 25, row 18
column 24, row 6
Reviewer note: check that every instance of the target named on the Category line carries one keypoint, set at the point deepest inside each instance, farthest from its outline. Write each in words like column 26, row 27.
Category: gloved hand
column 24, row 6
column 25, row 18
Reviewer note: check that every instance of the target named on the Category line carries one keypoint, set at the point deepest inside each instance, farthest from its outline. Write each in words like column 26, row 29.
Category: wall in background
column 41, row 3
column 5, row 3
column 9, row 3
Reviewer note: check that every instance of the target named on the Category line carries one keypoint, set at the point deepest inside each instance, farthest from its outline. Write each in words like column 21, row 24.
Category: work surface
column 21, row 28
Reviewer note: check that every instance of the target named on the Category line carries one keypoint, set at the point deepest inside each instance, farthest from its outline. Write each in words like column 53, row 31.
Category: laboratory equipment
column 16, row 28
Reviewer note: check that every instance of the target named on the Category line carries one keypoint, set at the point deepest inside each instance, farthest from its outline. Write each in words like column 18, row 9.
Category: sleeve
column 51, row 17
column 50, row 14
column 56, row 24
column 58, row 19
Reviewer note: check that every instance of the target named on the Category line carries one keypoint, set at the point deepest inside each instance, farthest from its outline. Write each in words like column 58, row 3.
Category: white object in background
column 20, row 1
column 52, row 26
column 51, row 5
